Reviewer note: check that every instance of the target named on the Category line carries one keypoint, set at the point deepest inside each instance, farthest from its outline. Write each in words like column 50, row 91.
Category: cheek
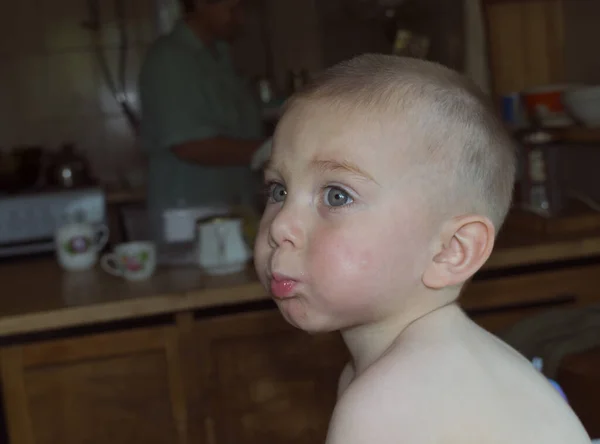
column 263, row 227
column 261, row 247
column 362, row 260
column 262, row 250
column 345, row 257
column 341, row 261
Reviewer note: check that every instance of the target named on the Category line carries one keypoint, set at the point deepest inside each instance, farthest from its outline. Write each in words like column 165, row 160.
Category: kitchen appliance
column 28, row 221
column 68, row 169
column 20, row 168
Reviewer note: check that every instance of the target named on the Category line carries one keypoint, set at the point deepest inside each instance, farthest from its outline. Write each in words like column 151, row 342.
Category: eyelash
column 268, row 189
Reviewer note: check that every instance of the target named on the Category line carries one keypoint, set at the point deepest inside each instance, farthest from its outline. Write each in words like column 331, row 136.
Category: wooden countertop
column 517, row 248
column 36, row 295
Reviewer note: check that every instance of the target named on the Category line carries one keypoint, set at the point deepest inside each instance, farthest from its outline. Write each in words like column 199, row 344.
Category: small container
column 513, row 112
column 544, row 104
column 221, row 247
column 265, row 91
column 540, row 186
column 78, row 245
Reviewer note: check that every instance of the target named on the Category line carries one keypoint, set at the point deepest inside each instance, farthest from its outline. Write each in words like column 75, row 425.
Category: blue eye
column 277, row 192
column 336, row 197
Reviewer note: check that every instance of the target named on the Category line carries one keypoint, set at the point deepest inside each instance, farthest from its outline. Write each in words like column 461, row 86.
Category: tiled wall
column 294, row 41
column 51, row 87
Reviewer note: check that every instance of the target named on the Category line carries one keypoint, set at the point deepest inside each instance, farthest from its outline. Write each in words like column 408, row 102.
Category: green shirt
column 190, row 93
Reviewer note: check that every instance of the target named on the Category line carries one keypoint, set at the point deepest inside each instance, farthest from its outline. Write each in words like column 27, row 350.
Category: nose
column 287, row 227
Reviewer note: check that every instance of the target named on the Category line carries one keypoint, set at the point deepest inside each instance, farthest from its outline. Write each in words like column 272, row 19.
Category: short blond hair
column 457, row 124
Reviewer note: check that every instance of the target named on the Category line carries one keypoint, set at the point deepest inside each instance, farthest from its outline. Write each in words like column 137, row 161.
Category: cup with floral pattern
column 78, row 244
column 134, row 261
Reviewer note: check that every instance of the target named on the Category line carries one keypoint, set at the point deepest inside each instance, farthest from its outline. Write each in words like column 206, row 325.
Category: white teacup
column 78, row 244
column 134, row 261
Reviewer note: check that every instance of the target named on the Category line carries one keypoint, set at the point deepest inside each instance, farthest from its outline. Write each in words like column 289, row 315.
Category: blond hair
column 454, row 119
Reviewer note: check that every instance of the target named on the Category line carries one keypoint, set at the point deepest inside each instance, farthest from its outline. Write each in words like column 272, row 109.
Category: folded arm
column 181, row 117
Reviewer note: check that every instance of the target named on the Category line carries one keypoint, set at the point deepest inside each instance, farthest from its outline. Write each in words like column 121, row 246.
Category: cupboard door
column 526, row 43
column 269, row 383
column 115, row 388
column 497, row 304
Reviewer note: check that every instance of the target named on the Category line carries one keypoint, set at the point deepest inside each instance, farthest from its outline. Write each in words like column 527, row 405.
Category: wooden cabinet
column 498, row 303
column 526, row 43
column 265, row 381
column 247, row 378
column 222, row 379
column 114, row 388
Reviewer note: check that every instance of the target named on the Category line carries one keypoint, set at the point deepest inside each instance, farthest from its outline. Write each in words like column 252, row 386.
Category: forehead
column 317, row 130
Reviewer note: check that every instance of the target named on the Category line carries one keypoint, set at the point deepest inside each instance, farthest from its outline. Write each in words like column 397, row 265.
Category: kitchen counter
column 37, row 295
column 518, row 248
column 192, row 361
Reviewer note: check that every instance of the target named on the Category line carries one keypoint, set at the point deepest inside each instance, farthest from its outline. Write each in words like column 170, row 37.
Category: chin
column 310, row 323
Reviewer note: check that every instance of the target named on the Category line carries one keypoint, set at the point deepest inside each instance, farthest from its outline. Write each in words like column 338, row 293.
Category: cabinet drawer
column 577, row 285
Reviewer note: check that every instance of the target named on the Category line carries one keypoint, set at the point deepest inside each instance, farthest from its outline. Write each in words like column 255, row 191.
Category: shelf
column 577, row 134
column 575, row 218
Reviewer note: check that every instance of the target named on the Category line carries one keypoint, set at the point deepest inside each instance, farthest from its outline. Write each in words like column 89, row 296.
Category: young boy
column 388, row 181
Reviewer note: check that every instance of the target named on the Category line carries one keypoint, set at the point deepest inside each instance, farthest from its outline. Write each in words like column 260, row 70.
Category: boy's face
column 346, row 231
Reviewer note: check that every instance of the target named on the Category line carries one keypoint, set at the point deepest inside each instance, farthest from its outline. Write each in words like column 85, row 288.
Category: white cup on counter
column 78, row 245
column 133, row 261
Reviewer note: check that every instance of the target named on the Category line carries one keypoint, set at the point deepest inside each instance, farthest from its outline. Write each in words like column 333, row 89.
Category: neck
column 367, row 343
column 201, row 31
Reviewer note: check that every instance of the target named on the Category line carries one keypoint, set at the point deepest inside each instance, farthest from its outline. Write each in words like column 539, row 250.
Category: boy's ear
column 466, row 244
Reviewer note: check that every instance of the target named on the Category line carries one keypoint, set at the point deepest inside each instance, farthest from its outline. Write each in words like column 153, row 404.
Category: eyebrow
column 344, row 165
column 271, row 166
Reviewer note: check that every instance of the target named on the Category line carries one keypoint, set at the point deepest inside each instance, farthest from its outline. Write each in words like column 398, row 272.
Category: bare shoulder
column 346, row 378
column 453, row 385
column 386, row 404
column 366, row 413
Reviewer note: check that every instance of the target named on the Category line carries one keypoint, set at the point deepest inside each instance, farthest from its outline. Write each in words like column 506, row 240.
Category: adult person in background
column 200, row 124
